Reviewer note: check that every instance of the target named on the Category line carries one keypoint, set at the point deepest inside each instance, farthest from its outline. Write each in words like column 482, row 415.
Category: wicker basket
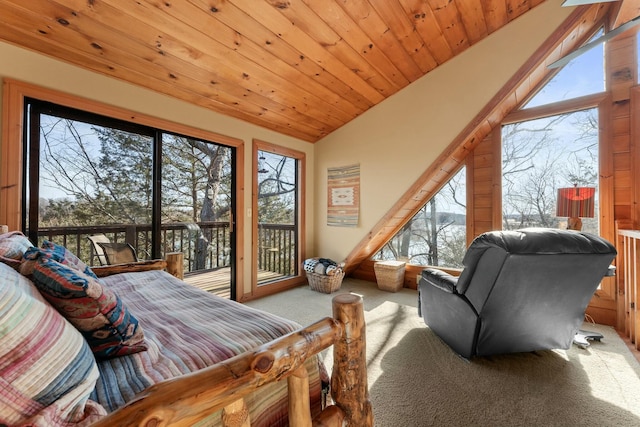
column 324, row 283
column 389, row 275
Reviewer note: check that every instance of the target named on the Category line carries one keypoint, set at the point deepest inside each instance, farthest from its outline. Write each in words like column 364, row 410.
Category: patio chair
column 109, row 253
column 519, row 291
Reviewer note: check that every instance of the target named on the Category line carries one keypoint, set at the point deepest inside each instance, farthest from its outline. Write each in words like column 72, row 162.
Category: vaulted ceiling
column 300, row 67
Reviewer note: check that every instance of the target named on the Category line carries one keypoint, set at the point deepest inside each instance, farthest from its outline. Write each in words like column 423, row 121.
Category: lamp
column 575, row 202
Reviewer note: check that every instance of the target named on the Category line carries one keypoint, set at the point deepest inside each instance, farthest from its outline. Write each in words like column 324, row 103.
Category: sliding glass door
column 159, row 192
column 197, row 209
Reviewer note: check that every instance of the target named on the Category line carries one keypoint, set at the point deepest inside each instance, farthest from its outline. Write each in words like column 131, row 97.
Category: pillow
column 47, row 371
column 55, row 252
column 96, row 311
column 12, row 247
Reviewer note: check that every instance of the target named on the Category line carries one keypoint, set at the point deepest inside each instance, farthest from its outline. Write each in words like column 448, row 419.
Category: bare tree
column 436, row 233
column 540, row 156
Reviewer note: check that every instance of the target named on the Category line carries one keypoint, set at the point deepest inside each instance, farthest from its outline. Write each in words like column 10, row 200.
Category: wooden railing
column 628, row 265
column 205, row 245
column 277, row 249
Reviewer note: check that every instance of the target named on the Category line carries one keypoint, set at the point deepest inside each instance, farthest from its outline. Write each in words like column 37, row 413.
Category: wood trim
column 602, row 307
column 11, row 149
column 634, row 111
column 289, row 282
column 11, row 157
column 556, row 108
column 496, row 142
column 470, row 197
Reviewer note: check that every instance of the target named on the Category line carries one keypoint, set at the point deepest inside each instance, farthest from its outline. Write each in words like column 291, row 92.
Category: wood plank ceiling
column 299, row 67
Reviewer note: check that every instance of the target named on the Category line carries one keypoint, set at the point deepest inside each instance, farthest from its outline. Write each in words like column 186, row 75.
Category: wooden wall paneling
column 603, row 306
column 615, row 183
column 631, row 220
column 11, row 158
column 481, row 187
column 621, row 65
column 496, row 142
column 634, row 155
column 470, row 197
column 621, row 143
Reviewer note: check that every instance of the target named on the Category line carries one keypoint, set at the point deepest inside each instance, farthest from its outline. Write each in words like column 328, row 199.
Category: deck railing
column 628, row 278
column 205, row 245
column 277, row 248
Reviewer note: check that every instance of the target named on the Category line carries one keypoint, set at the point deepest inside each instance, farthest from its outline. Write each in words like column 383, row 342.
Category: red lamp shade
column 576, row 202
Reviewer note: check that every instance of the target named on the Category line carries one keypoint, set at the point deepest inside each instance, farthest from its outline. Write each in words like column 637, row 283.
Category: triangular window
column 583, row 75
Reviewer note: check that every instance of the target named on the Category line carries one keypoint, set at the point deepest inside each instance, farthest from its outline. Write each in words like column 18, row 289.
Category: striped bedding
column 187, row 329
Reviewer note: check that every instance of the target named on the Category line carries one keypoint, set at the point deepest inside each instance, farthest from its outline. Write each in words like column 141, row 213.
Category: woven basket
column 324, row 283
column 389, row 275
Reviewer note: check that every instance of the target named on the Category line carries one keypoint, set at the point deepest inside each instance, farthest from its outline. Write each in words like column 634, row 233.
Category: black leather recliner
column 519, row 291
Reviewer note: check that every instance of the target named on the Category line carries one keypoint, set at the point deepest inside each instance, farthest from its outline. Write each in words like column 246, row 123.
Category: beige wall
column 37, row 69
column 395, row 141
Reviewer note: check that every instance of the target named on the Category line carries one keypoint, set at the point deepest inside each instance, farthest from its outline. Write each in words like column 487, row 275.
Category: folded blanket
column 322, row 266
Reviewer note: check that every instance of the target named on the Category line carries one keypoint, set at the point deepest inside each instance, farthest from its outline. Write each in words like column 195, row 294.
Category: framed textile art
column 343, row 196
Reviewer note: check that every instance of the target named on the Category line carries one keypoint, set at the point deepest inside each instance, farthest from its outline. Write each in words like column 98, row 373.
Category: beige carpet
column 416, row 380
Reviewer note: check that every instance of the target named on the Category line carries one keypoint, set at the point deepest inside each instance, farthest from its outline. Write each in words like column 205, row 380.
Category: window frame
column 292, row 281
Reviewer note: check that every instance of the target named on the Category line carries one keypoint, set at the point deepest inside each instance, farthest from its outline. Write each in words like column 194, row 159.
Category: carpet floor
column 416, row 380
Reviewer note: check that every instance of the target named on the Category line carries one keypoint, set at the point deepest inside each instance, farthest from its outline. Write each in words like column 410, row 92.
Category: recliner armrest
column 440, row 279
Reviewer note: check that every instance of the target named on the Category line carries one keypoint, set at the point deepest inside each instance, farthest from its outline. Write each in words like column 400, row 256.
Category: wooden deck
column 219, row 281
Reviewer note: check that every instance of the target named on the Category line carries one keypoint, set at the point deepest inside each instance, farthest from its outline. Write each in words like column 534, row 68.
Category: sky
column 584, row 75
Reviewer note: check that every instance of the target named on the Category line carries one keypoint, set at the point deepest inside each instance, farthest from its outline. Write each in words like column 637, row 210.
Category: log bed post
column 175, row 264
column 349, row 387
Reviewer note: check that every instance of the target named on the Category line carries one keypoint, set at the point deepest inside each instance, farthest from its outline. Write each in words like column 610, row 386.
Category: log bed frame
column 185, row 400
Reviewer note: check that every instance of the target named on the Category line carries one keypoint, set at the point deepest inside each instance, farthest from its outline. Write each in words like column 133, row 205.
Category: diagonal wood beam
column 623, row 11
column 573, row 32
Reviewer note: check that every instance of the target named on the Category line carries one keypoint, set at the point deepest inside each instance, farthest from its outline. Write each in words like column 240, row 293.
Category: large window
column 583, row 75
column 539, row 157
column 436, row 235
